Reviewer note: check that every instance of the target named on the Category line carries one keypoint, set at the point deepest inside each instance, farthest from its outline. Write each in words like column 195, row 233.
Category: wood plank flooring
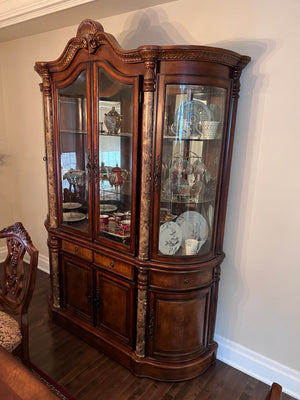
column 90, row 375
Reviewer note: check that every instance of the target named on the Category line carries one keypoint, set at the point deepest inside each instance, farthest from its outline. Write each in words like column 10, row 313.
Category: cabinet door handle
column 90, row 296
column 97, row 298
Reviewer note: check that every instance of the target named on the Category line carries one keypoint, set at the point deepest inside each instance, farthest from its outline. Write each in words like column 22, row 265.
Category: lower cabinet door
column 115, row 309
column 178, row 324
column 77, row 288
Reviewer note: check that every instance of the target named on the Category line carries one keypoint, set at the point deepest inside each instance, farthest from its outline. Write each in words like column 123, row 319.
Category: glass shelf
column 73, row 145
column 115, row 127
column 192, row 134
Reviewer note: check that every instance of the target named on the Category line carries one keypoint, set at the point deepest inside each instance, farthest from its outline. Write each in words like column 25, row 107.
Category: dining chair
column 18, row 275
column 275, row 392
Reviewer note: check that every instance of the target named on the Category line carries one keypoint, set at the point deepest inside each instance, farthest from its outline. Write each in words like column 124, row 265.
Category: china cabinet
column 139, row 147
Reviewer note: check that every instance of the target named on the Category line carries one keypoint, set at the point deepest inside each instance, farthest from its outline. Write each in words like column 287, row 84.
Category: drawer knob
column 112, row 264
column 187, row 281
column 76, row 249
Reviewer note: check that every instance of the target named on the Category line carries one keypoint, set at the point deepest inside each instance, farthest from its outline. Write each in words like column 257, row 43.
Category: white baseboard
column 43, row 264
column 258, row 366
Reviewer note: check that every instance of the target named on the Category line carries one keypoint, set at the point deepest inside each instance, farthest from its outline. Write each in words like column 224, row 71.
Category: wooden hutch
column 139, row 146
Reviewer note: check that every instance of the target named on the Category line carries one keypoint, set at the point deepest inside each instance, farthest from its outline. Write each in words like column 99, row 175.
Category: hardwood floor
column 89, row 375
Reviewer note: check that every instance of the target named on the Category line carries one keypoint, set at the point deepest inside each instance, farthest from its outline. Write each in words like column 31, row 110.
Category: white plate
column 71, row 206
column 107, row 208
column 188, row 116
column 170, row 238
column 73, row 216
column 193, row 225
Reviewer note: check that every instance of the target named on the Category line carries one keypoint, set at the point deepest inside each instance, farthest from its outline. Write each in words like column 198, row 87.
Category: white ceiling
column 20, row 18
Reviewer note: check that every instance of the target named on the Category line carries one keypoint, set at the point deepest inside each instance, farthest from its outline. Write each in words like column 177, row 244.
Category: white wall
column 5, row 161
column 259, row 289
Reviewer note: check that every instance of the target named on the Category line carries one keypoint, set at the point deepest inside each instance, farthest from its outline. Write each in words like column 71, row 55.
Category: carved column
column 52, row 187
column 236, row 74
column 141, row 313
column 148, row 108
column 145, row 212
column 53, row 244
column 50, row 150
column 213, row 303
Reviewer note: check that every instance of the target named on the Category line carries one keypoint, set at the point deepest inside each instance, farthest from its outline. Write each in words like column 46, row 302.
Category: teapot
column 112, row 121
column 116, row 176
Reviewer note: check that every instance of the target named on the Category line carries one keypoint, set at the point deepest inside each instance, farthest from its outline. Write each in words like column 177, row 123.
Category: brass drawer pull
column 187, row 281
column 112, row 264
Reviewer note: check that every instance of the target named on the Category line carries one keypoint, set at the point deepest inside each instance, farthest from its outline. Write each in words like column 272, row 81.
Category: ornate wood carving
column 18, row 230
column 91, row 36
column 18, row 242
column 236, row 83
column 150, row 76
column 14, row 269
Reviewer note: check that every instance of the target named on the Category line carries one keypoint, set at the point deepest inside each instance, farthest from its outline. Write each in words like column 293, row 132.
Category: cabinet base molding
column 139, row 366
column 175, row 372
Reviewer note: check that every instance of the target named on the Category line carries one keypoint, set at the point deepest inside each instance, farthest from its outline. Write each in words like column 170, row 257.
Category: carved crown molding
column 91, row 36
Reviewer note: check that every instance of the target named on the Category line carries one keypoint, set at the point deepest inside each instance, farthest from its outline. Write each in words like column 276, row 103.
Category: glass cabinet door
column 192, row 130
column 73, row 147
column 115, row 143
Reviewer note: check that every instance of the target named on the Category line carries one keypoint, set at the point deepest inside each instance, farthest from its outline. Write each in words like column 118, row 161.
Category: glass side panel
column 192, row 137
column 115, row 158
column 72, row 114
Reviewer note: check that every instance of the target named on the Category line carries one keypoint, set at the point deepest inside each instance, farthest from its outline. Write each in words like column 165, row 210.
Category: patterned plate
column 193, row 225
column 170, row 238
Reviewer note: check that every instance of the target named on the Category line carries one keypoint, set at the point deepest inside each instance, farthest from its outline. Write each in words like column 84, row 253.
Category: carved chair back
column 16, row 287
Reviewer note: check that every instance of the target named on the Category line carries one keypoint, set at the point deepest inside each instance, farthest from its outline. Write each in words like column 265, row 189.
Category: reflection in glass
column 115, row 118
column 192, row 137
column 72, row 111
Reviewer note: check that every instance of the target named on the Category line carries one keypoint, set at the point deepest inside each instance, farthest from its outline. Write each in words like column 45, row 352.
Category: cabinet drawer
column 111, row 264
column 173, row 281
column 77, row 250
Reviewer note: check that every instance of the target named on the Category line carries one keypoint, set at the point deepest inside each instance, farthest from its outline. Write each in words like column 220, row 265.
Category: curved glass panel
column 72, row 125
column 191, row 149
column 115, row 157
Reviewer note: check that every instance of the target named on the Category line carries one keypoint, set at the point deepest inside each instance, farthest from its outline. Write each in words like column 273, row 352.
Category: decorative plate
column 170, row 238
column 107, row 208
column 71, row 206
column 188, row 116
column 193, row 225
column 73, row 216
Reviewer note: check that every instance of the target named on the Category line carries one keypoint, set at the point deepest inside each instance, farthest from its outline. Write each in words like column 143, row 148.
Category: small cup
column 119, row 216
column 111, row 225
column 103, row 221
column 209, row 129
column 126, row 226
column 193, row 246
